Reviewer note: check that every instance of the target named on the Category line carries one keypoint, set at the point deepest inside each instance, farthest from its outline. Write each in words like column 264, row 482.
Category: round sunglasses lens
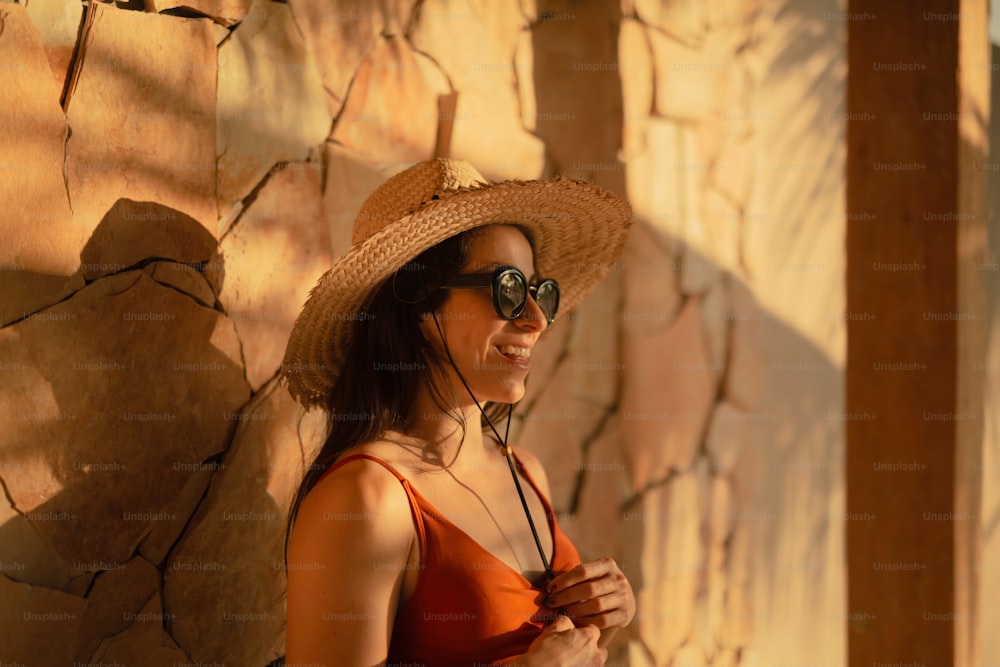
column 547, row 296
column 510, row 294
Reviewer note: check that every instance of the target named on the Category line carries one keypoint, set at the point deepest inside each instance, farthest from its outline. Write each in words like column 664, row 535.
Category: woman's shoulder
column 535, row 470
column 530, row 464
column 360, row 490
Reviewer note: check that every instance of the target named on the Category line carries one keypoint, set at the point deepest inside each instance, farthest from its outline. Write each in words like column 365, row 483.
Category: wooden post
column 917, row 121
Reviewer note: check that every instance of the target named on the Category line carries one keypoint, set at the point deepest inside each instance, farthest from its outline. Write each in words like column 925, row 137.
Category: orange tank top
column 468, row 606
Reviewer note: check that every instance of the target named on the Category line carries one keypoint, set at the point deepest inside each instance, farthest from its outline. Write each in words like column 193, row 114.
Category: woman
column 407, row 545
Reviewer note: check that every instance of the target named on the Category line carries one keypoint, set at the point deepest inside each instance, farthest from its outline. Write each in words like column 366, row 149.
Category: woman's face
column 493, row 354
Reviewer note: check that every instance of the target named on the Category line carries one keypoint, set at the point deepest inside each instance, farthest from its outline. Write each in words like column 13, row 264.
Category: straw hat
column 578, row 231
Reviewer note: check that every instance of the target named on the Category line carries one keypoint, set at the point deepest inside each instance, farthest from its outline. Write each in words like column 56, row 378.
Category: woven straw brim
column 578, row 230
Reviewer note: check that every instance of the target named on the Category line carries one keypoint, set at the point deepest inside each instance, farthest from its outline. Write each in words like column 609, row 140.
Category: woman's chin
column 510, row 392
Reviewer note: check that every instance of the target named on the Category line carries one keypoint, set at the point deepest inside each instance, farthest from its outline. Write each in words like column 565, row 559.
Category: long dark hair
column 388, row 360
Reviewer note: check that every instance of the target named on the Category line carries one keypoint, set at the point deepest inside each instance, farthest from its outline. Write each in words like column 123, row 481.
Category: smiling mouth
column 514, row 352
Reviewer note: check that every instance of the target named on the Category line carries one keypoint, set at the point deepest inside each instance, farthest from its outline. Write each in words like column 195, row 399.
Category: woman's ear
column 428, row 329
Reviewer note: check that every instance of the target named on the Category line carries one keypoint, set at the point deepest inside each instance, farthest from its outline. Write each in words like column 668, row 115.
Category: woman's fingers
column 595, row 593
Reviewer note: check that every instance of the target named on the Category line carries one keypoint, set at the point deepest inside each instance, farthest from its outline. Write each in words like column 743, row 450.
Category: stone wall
column 177, row 175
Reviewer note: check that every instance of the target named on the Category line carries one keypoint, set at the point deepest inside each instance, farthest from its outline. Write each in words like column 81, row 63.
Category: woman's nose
column 532, row 317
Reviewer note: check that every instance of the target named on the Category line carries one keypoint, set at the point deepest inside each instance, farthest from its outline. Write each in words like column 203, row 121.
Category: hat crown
column 409, row 190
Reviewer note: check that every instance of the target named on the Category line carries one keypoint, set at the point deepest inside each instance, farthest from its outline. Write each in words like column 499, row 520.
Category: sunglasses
column 510, row 290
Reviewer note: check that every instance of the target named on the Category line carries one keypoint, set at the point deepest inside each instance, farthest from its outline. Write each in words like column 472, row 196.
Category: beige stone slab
column 491, row 137
column 595, row 528
column 746, row 379
column 652, row 298
column 221, row 33
column 724, row 223
column 273, row 256
column 41, row 249
column 667, row 397
column 654, row 185
column 271, row 103
column 738, row 624
column 795, row 251
column 133, row 231
column 224, row 12
column 144, row 643
column 350, row 178
column 453, row 33
column 664, row 529
column 58, row 23
column 684, row 21
column 185, row 278
column 156, row 543
column 554, row 428
column 716, row 326
column 698, row 272
column 699, row 268
column 90, row 409
column 38, row 623
column 635, row 56
column 731, row 433
column 690, row 655
column 24, row 555
column 718, row 518
column 524, row 77
column 727, row 658
column 594, row 345
column 141, row 105
column 489, row 130
column 545, row 357
column 237, row 536
column 340, row 33
column 690, row 81
column 391, row 112
column 638, row 654
column 113, row 603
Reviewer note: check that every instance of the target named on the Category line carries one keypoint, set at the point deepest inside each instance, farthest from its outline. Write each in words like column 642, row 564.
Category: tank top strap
column 415, row 508
column 376, row 459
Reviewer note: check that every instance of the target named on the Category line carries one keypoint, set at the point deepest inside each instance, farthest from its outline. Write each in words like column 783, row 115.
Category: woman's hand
column 594, row 594
column 561, row 644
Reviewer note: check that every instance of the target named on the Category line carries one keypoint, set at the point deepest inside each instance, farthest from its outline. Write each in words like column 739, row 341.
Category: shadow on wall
column 120, row 400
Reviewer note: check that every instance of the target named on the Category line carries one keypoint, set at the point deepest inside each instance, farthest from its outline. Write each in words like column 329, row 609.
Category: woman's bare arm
column 346, row 559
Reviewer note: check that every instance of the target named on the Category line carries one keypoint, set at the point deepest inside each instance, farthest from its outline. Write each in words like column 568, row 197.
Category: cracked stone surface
column 595, row 526
column 40, row 250
column 667, row 397
column 142, row 443
column 114, row 602
column 669, row 557
column 348, row 182
column 389, row 80
column 271, row 104
column 238, row 537
column 684, row 21
column 142, row 78
column 652, row 299
column 145, row 642
column 653, row 183
column 488, row 130
column 58, row 23
column 132, row 232
column 225, row 12
column 340, row 34
column 25, row 556
column 32, row 618
column 272, row 260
